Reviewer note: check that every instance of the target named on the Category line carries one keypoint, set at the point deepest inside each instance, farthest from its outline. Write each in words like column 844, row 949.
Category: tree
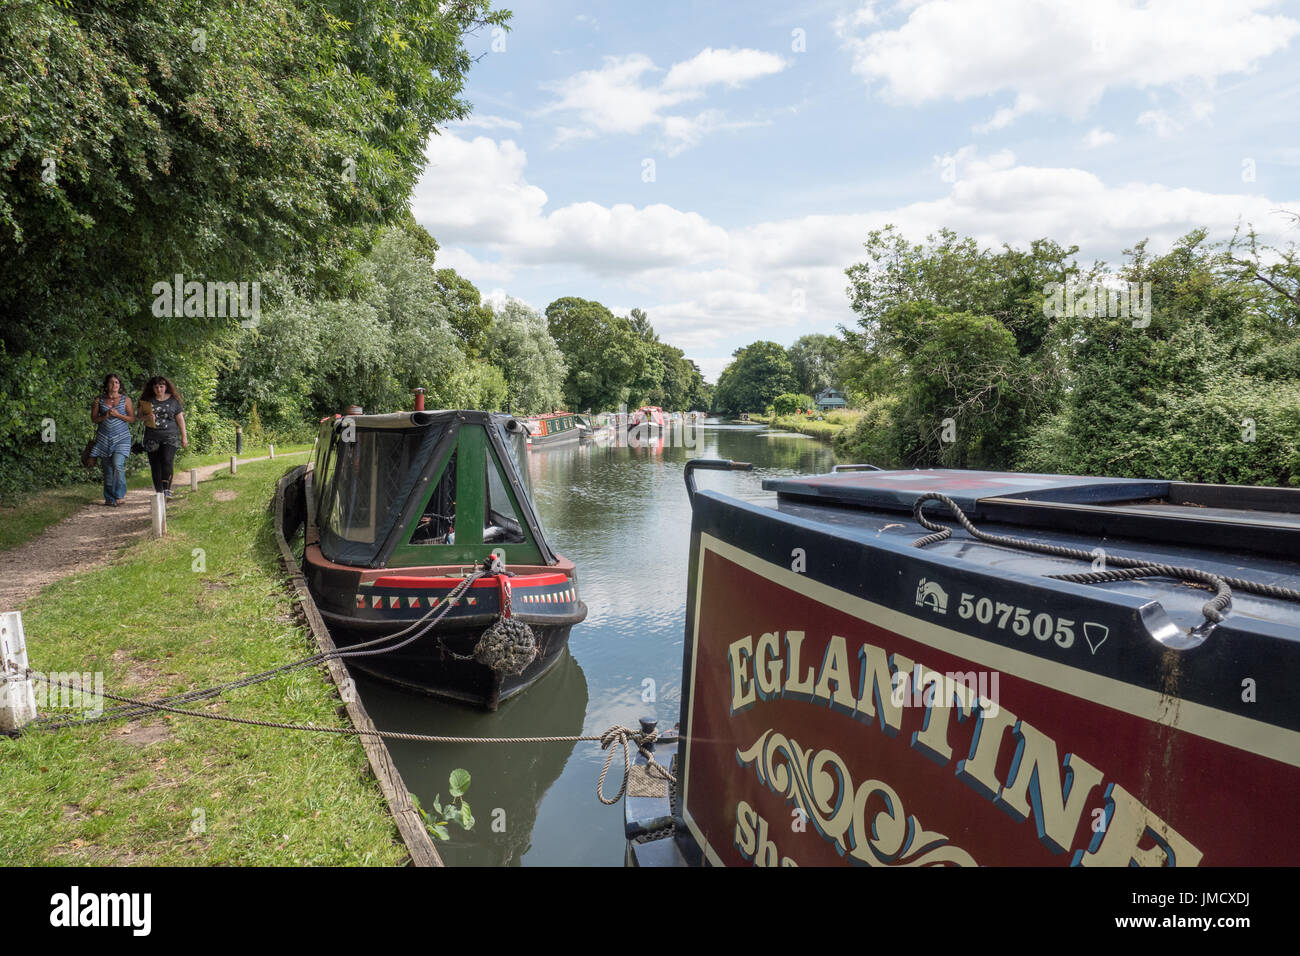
column 814, row 359
column 468, row 314
column 203, row 138
column 1209, row 390
column 519, row 343
column 760, row 372
column 602, row 352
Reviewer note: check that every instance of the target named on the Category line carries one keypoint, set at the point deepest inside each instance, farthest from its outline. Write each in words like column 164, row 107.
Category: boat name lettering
column 1042, row 785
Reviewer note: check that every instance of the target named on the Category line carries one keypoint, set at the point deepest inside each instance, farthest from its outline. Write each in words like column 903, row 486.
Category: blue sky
column 720, row 165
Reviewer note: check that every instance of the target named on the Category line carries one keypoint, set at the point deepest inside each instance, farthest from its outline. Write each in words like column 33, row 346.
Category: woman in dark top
column 112, row 412
column 164, row 418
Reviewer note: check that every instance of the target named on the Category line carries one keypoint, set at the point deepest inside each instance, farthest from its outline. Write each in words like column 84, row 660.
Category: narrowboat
column 647, row 422
column 401, row 509
column 962, row 668
column 553, row 429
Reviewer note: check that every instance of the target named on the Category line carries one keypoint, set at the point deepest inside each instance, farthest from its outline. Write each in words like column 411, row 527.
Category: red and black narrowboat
column 941, row 667
column 401, row 509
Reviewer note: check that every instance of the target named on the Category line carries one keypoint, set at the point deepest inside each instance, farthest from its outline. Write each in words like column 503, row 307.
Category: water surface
column 621, row 515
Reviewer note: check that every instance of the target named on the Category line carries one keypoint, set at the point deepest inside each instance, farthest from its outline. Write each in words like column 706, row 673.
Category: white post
column 233, row 465
column 271, row 448
column 194, row 479
column 17, row 695
column 159, row 514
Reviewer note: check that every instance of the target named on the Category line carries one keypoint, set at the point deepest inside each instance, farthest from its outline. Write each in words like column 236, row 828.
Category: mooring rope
column 617, row 734
column 365, row 649
column 1128, row 568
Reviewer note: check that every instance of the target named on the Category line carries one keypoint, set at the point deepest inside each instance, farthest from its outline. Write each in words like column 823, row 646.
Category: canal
column 621, row 514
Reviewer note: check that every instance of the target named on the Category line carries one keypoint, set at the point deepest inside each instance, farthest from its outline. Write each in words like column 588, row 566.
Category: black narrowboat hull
column 361, row 606
column 435, row 664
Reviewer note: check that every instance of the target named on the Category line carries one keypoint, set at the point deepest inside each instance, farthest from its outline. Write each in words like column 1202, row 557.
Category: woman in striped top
column 112, row 412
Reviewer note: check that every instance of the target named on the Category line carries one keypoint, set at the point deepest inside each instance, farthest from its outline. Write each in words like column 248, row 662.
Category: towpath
column 85, row 539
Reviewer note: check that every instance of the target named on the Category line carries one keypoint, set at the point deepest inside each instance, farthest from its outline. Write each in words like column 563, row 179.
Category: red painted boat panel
column 811, row 740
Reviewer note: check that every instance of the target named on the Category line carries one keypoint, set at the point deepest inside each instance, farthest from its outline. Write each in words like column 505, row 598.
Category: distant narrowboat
column 553, row 429
column 940, row 667
column 401, row 509
column 645, row 425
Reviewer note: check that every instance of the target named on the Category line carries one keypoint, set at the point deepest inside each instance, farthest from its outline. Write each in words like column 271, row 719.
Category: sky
column 720, row 165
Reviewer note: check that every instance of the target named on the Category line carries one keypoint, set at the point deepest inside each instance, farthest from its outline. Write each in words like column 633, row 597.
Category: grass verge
column 823, row 429
column 204, row 605
column 25, row 521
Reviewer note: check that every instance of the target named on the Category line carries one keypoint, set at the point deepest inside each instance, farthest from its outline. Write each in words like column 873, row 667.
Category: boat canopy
column 425, row 488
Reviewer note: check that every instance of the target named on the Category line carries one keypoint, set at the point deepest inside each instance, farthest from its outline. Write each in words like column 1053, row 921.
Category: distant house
column 829, row 399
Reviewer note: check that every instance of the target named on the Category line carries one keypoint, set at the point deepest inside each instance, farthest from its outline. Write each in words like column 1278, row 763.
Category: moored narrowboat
column 964, row 668
column 647, row 422
column 555, row 428
column 402, row 510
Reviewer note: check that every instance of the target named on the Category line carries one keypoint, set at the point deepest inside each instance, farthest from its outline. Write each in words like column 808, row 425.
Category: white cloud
column 1059, row 57
column 706, row 286
column 1098, row 137
column 478, row 121
column 478, row 271
column 623, row 97
column 1159, row 122
column 730, row 67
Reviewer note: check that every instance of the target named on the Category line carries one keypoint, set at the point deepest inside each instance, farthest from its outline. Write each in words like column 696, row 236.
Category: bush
column 873, row 438
column 1234, row 430
column 788, row 403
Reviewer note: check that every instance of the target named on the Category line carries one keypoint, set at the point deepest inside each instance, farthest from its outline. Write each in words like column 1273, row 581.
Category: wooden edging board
column 414, row 834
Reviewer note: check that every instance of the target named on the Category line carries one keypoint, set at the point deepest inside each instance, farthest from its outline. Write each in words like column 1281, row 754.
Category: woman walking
column 164, row 419
column 112, row 412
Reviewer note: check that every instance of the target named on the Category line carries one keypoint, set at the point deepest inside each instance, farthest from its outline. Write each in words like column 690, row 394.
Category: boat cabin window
column 438, row 523
column 367, row 482
column 501, row 523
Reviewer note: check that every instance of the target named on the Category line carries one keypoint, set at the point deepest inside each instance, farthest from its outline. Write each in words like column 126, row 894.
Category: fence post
column 271, row 449
column 194, row 479
column 158, row 512
column 234, row 465
column 17, row 695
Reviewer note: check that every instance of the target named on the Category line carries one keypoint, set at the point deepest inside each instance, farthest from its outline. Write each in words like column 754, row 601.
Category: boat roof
column 424, row 418
column 1250, row 533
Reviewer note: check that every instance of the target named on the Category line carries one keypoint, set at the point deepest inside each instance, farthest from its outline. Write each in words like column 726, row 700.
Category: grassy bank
column 165, row 618
column 823, row 429
column 24, row 521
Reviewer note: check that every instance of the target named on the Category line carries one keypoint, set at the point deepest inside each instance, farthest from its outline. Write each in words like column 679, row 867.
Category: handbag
column 87, row 459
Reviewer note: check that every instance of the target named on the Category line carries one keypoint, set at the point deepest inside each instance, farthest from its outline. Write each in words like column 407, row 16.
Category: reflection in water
column 507, row 781
column 621, row 514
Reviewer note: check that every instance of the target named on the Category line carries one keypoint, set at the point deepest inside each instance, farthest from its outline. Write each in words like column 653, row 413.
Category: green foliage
column 309, row 357
column 219, row 140
column 603, row 353
column 874, row 438
column 469, row 316
column 813, row 359
column 788, row 403
column 758, row 374
column 519, row 343
column 1209, row 391
column 456, row 811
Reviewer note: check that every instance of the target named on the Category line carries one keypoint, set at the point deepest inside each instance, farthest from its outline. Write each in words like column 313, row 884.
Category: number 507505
column 1008, row 617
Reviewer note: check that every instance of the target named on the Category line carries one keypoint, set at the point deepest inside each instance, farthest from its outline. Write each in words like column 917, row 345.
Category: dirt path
column 84, row 540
